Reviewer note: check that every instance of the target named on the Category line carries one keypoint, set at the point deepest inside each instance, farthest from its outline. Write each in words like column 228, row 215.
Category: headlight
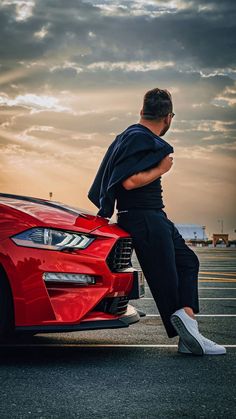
column 46, row 238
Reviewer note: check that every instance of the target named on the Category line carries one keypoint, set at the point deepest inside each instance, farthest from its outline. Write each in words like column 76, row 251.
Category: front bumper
column 131, row 316
column 40, row 305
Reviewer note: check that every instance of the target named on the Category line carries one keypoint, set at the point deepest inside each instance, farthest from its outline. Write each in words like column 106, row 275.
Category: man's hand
column 165, row 164
column 147, row 176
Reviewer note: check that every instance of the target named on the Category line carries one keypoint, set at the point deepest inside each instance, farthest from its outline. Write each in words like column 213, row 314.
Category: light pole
column 203, row 231
column 222, row 225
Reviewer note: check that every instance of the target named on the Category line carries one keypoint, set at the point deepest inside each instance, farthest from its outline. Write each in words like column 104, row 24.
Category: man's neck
column 155, row 127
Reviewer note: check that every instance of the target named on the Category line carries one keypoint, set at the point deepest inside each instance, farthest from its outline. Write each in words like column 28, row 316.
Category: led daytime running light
column 69, row 278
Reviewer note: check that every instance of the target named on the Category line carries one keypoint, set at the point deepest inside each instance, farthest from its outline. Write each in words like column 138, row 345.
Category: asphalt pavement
column 134, row 372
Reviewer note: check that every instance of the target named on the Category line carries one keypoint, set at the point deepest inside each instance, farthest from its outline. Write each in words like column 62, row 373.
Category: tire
column 6, row 307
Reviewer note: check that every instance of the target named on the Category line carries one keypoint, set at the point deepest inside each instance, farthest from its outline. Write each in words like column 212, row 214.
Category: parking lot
column 133, row 372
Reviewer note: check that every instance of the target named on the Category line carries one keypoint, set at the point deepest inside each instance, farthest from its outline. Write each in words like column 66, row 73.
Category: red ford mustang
column 63, row 269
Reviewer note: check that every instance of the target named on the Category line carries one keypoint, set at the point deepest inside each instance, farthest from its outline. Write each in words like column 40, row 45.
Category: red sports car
column 63, row 269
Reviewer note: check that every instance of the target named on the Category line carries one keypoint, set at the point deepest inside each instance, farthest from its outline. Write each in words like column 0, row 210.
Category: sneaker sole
column 189, row 340
column 215, row 353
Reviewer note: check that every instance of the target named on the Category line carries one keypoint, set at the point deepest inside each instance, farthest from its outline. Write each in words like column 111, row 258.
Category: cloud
column 33, row 102
column 107, row 66
column 23, row 8
column 42, row 32
column 135, row 66
column 204, row 126
column 226, row 98
column 165, row 31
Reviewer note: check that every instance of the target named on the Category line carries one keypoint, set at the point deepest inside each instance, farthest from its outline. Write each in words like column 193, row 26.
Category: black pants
column 169, row 265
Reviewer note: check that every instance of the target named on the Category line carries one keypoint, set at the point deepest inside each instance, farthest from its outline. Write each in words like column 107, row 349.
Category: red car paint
column 44, row 306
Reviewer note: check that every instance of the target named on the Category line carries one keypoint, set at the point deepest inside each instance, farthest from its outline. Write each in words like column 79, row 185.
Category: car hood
column 37, row 211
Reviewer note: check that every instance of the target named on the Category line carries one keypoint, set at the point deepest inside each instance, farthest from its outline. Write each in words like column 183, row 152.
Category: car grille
column 116, row 305
column 120, row 256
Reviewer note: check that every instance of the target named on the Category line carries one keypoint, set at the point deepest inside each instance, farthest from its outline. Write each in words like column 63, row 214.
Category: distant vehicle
column 63, row 269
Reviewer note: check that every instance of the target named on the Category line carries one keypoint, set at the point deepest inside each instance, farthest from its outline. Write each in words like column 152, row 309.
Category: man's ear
column 141, row 113
column 165, row 119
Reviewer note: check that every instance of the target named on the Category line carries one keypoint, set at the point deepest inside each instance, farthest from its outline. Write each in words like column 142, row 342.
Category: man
column 130, row 173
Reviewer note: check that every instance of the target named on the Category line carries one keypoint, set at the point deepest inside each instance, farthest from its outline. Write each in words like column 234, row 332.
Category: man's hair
column 157, row 103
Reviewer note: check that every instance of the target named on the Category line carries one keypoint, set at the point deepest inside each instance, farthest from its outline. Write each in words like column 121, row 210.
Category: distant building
column 192, row 231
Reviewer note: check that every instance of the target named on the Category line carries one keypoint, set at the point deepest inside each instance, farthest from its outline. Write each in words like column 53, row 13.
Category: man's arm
column 147, row 176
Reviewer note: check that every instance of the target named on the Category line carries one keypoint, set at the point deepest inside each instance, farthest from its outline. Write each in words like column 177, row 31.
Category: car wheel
column 6, row 307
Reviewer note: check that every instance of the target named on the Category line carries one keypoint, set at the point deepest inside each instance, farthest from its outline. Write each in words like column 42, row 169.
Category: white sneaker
column 182, row 349
column 187, row 329
column 210, row 347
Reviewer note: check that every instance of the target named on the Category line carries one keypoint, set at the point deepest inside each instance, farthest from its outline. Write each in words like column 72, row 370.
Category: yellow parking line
column 210, row 279
column 217, row 273
column 218, row 277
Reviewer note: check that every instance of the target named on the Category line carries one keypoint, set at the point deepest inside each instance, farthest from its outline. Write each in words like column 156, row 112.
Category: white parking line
column 216, row 298
column 201, row 298
column 199, row 315
column 94, row 345
column 210, row 288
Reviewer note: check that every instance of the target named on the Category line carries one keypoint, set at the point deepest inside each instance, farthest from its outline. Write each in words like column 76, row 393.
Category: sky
column 73, row 75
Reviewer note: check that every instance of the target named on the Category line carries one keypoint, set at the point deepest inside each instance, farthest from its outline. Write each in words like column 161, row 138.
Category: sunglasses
column 172, row 114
